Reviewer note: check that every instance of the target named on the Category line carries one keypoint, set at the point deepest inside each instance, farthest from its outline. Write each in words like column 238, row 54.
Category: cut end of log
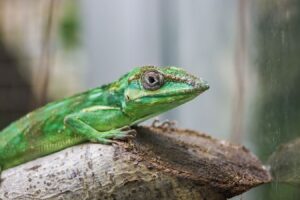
column 227, row 168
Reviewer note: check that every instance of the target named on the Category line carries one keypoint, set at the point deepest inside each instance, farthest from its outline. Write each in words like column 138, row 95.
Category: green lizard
column 99, row 115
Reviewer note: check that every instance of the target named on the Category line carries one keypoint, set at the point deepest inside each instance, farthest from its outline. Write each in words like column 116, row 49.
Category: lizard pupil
column 152, row 80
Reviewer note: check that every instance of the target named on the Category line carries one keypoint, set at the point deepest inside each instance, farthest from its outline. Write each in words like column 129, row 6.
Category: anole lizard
column 102, row 115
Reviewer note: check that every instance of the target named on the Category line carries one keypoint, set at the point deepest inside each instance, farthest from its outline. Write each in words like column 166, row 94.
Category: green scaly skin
column 99, row 115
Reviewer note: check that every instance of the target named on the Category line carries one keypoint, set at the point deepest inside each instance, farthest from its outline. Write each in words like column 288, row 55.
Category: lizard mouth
column 186, row 93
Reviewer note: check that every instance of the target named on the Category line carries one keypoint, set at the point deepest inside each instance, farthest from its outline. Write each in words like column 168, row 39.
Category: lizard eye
column 152, row 80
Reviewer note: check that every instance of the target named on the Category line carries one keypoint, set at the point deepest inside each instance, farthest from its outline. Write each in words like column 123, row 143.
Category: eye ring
column 152, row 80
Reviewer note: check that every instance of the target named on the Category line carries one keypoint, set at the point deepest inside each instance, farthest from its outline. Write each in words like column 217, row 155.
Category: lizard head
column 152, row 90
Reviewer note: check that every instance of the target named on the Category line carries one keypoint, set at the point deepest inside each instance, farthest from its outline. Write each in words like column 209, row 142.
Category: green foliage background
column 277, row 118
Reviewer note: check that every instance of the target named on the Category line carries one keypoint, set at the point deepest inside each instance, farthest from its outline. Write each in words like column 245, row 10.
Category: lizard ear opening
column 152, row 80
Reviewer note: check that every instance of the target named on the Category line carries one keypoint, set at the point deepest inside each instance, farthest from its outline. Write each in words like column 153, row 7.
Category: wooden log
column 160, row 163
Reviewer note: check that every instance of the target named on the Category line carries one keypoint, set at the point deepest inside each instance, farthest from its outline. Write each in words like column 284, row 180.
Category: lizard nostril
column 190, row 82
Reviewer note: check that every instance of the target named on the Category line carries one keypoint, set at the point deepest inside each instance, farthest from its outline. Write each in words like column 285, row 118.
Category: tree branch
column 160, row 163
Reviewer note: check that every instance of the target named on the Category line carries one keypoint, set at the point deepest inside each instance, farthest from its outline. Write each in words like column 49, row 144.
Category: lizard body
column 99, row 115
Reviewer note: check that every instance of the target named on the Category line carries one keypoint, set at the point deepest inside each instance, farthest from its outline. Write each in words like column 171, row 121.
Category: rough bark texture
column 160, row 163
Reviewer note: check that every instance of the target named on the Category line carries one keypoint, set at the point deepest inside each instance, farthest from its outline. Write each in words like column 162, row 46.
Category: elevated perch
column 160, row 163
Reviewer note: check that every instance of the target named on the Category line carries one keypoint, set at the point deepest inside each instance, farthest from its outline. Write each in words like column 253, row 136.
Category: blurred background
column 248, row 51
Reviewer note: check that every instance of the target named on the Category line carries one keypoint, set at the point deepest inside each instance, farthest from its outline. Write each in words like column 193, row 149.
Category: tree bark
column 160, row 163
